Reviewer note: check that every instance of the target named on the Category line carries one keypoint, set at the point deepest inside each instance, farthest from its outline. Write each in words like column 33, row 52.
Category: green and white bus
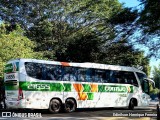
column 42, row 84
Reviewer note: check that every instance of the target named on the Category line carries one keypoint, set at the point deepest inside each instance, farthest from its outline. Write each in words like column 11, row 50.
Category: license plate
column 11, row 103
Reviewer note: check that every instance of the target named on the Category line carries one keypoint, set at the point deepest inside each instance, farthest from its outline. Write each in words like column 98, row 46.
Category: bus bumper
column 15, row 104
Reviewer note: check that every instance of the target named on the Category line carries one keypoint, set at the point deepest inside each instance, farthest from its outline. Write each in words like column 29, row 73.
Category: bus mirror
column 150, row 80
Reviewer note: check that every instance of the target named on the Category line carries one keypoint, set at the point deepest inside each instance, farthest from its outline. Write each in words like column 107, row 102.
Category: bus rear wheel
column 55, row 106
column 70, row 105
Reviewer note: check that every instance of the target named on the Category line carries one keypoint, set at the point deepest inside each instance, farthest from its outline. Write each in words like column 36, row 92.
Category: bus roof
column 85, row 65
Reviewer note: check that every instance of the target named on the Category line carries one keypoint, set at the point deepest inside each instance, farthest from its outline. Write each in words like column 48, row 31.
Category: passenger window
column 117, row 77
column 89, row 75
column 123, row 77
column 43, row 71
column 30, row 69
column 107, row 76
column 81, row 74
column 100, row 75
column 70, row 74
column 130, row 78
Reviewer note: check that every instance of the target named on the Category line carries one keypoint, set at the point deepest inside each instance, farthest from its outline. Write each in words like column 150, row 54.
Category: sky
column 130, row 3
column 135, row 3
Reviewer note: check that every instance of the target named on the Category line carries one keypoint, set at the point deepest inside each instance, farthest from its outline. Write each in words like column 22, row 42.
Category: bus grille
column 11, row 82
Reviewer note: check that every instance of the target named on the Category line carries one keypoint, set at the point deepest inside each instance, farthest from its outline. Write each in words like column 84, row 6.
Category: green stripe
column 11, row 87
column 67, row 87
column 42, row 86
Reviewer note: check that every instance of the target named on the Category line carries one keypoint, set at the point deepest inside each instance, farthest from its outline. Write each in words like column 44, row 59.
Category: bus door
column 146, row 91
column 145, row 98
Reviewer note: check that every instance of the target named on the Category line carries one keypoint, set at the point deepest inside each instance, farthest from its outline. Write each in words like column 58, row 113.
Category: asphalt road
column 138, row 113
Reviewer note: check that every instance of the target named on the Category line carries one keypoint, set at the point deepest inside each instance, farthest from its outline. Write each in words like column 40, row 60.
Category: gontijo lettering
column 116, row 89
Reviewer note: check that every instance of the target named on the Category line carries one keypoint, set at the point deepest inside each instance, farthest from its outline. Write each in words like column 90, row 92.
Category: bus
column 56, row 86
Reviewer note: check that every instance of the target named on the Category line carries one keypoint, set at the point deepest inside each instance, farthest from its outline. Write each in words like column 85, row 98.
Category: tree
column 140, row 26
column 84, row 47
column 13, row 44
column 156, row 76
column 64, row 28
column 150, row 16
column 123, row 53
column 84, row 12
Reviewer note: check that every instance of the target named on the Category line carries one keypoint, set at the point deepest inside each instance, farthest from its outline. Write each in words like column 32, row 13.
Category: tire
column 55, row 106
column 131, row 105
column 70, row 105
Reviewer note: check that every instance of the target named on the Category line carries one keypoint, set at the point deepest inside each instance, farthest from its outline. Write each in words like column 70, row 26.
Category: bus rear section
column 13, row 93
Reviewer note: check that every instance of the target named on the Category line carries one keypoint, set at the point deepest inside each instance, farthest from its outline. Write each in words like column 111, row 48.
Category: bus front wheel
column 70, row 105
column 131, row 104
column 55, row 106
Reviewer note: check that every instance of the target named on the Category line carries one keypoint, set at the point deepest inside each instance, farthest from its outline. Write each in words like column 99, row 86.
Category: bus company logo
column 115, row 89
column 125, row 89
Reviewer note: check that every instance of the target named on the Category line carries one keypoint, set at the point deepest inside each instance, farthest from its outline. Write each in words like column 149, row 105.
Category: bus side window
column 107, row 76
column 30, row 69
column 114, row 76
column 131, row 78
column 39, row 73
column 69, row 74
column 89, row 74
column 58, row 72
column 119, row 77
column 100, row 75
column 81, row 74
column 50, row 72
column 66, row 74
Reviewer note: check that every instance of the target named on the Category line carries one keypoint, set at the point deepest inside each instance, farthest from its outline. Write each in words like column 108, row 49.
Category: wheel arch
column 134, row 100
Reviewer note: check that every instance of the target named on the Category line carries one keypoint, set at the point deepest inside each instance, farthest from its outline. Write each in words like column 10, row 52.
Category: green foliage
column 79, row 31
column 126, row 15
column 123, row 53
column 150, row 16
column 84, row 47
column 156, row 76
column 153, row 90
column 14, row 45
column 140, row 26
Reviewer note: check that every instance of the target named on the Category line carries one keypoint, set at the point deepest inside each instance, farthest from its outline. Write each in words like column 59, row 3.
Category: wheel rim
column 55, row 106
